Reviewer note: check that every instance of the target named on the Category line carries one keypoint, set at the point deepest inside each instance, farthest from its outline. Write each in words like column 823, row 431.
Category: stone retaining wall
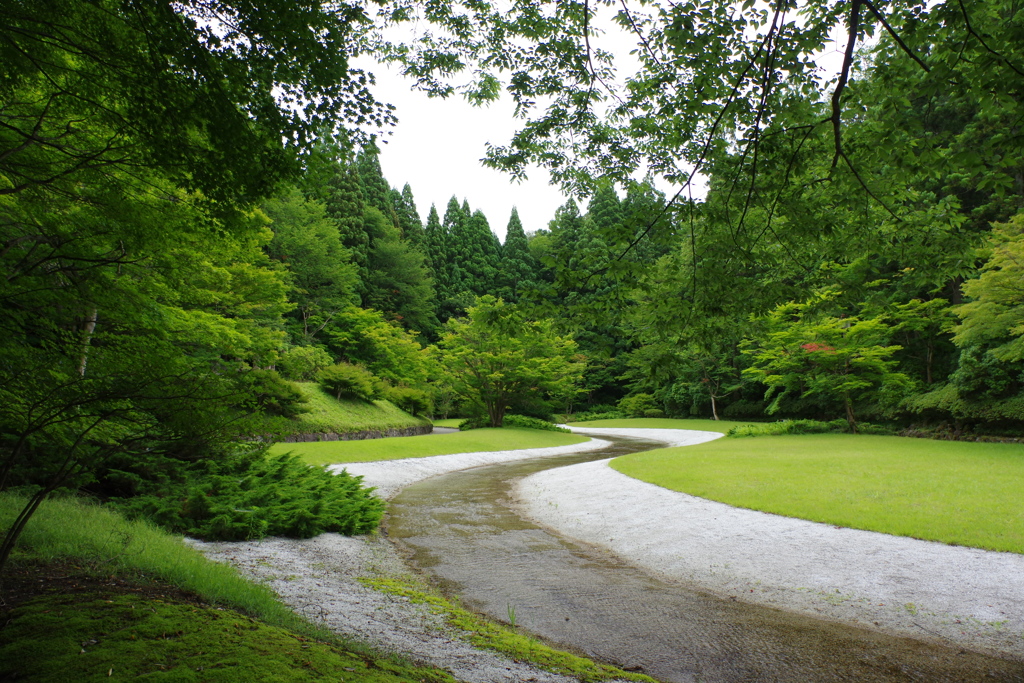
column 358, row 436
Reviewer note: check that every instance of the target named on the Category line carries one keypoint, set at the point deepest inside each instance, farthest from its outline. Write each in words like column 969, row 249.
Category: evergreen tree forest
column 194, row 218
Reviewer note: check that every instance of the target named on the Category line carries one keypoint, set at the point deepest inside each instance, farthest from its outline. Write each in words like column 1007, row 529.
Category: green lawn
column 369, row 450
column 452, row 422
column 664, row 423
column 954, row 492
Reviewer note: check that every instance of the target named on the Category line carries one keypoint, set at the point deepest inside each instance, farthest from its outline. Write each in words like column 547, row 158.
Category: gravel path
column 391, row 476
column 318, row 577
column 968, row 597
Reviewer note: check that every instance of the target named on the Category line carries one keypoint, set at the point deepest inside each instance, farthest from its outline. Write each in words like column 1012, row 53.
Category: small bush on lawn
column 640, row 405
column 413, row 401
column 805, row 427
column 591, row 417
column 478, row 422
column 532, row 423
column 275, row 395
column 251, row 495
column 343, row 380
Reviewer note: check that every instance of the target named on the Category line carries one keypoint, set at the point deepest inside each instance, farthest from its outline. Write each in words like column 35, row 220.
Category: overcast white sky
column 437, row 146
column 438, row 143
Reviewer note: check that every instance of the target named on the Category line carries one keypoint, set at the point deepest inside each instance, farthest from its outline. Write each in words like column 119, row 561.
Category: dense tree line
column 193, row 214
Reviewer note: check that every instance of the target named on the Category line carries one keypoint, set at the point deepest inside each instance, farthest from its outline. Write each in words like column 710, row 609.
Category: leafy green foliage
column 252, row 495
column 640, row 405
column 527, row 422
column 496, row 358
column 343, row 380
column 69, row 529
column 274, row 395
column 804, row 427
column 413, row 401
column 307, row 243
column 844, row 360
column 995, row 314
column 591, row 416
column 302, row 363
column 364, row 337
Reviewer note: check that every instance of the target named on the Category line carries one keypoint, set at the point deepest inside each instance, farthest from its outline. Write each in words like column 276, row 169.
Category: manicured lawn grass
column 664, row 423
column 333, row 416
column 954, row 492
column 453, row 422
column 369, row 450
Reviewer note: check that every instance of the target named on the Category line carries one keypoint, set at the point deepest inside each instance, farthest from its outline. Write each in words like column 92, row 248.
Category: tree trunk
column 928, row 364
column 90, row 327
column 714, row 408
column 850, row 419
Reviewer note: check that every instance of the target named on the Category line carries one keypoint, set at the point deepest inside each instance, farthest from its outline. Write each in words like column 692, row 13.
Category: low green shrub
column 343, row 380
column 252, row 495
column 527, row 422
column 805, row 427
column 302, row 363
column 413, row 401
column 276, row 396
column 590, row 417
column 478, row 422
column 641, row 405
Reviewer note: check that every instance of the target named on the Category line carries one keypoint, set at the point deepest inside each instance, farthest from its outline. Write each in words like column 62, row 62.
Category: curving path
column 899, row 585
column 319, row 577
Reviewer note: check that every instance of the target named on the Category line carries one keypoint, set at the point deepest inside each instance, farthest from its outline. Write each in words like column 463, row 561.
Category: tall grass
column 97, row 538
column 476, row 440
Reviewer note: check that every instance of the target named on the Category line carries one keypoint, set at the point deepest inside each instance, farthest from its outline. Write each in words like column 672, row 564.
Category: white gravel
column 391, row 476
column 318, row 577
column 968, row 597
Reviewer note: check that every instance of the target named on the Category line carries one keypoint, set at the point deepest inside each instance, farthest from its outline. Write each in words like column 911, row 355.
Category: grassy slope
column 664, row 423
column 953, row 492
column 331, row 415
column 108, row 601
column 473, row 441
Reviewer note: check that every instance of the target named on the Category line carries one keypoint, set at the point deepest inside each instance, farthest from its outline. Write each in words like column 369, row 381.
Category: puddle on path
column 459, row 528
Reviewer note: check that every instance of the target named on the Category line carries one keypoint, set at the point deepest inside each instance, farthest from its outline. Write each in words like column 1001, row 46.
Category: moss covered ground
column 90, row 596
column 108, row 635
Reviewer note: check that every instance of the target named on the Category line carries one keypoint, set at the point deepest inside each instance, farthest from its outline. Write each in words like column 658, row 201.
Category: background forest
column 194, row 220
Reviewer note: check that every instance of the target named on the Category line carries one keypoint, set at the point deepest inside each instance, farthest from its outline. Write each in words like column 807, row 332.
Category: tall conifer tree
column 477, row 252
column 346, row 207
column 518, row 269
column 408, row 218
column 375, row 188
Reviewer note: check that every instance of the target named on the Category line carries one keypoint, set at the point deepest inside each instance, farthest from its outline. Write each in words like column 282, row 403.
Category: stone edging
column 357, row 436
